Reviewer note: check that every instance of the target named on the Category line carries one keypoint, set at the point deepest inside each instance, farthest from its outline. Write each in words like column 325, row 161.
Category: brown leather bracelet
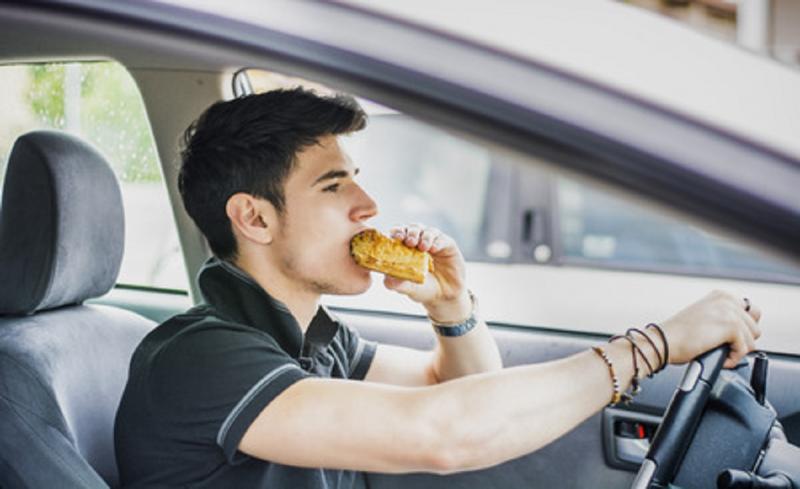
column 655, row 348
column 664, row 341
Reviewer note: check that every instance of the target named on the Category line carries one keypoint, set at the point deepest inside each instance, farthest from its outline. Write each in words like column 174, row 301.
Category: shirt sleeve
column 360, row 352
column 212, row 383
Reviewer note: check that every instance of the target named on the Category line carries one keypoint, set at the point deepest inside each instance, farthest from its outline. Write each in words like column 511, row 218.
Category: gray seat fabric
column 63, row 365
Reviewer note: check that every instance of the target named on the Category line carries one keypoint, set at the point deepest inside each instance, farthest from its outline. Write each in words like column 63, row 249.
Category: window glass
column 425, row 176
column 627, row 263
column 414, row 171
column 600, row 228
column 99, row 101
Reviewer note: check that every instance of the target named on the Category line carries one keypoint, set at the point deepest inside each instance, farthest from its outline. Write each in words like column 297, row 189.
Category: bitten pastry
column 373, row 250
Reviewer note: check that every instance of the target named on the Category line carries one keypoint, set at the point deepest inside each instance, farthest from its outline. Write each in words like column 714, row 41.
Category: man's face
column 324, row 209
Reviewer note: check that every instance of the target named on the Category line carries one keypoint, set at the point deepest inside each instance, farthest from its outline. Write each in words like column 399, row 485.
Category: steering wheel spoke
column 680, row 421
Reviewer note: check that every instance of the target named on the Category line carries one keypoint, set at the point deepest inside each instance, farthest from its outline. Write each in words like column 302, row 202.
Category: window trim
column 148, row 288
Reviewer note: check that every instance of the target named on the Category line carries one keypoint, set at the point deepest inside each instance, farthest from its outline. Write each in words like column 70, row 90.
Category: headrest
column 62, row 227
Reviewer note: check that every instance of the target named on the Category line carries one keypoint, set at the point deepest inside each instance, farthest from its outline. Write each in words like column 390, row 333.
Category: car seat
column 63, row 364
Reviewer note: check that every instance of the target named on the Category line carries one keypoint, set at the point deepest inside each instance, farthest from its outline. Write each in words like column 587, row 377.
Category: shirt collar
column 238, row 297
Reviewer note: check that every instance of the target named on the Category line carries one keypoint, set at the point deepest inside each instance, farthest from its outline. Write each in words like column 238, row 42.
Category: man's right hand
column 716, row 319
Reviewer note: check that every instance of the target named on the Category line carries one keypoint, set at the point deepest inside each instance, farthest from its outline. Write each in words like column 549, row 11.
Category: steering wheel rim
column 674, row 434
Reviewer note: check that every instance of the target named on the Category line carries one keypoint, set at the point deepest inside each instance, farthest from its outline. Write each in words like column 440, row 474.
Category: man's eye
column 331, row 188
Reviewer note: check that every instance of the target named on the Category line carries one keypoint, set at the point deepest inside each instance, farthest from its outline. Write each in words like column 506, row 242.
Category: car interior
column 69, row 323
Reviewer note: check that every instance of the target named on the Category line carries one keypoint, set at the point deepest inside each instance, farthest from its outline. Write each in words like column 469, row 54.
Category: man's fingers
column 438, row 243
column 752, row 325
column 427, row 238
column 412, row 235
column 740, row 347
column 443, row 242
column 423, row 238
column 738, row 350
column 749, row 341
column 754, row 312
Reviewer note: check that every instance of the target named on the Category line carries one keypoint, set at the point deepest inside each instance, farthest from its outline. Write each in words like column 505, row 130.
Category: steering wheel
column 680, row 421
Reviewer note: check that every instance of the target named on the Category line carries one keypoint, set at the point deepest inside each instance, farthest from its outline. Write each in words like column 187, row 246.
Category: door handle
column 627, row 436
column 631, row 450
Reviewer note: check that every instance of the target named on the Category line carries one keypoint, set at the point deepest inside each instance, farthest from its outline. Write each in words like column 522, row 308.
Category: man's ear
column 252, row 218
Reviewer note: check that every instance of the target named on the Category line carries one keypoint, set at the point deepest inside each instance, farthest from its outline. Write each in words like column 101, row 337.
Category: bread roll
column 373, row 250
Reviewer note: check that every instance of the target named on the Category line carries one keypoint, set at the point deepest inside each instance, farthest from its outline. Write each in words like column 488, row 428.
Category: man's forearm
column 472, row 353
column 484, row 420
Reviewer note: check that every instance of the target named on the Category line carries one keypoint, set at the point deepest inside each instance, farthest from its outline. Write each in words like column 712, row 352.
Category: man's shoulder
column 199, row 330
column 199, row 350
column 205, row 320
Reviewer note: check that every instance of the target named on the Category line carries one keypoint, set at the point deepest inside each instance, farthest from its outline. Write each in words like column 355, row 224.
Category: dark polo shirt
column 199, row 380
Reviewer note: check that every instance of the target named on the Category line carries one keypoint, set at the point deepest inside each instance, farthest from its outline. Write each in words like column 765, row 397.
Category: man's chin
column 357, row 285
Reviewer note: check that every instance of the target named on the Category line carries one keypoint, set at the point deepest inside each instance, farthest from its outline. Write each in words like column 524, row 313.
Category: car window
column 545, row 249
column 425, row 176
column 414, row 171
column 100, row 102
column 599, row 228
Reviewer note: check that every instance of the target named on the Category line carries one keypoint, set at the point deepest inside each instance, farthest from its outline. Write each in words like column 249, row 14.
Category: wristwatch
column 458, row 328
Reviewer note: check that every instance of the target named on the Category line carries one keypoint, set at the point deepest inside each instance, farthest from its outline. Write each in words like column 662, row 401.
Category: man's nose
column 365, row 208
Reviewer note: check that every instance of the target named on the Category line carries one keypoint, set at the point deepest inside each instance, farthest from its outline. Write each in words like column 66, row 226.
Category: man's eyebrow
column 330, row 175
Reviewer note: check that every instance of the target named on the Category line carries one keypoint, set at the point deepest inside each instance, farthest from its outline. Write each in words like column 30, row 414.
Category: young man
column 260, row 386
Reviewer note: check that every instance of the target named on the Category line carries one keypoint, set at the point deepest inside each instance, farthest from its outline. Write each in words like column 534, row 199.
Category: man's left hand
column 444, row 292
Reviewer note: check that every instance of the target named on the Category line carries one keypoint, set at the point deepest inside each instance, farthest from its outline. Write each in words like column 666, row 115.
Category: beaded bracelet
column 618, row 394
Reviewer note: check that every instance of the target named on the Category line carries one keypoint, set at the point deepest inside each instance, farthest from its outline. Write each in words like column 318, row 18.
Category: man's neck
column 302, row 303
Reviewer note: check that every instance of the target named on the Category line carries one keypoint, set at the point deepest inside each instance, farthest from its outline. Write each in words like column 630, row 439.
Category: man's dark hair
column 249, row 145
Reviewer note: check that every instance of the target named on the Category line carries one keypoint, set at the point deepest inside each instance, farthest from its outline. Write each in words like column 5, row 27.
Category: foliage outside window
column 100, row 102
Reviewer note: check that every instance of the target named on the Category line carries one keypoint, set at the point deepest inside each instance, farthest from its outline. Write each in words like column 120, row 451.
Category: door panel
column 580, row 459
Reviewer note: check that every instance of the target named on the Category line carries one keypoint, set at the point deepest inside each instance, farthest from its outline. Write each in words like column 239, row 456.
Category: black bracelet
column 664, row 341
column 655, row 348
column 635, row 348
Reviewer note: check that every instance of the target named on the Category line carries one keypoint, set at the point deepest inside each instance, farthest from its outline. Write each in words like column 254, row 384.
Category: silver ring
column 746, row 304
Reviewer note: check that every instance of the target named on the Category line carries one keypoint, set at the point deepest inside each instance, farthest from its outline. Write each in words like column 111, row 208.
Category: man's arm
column 453, row 357
column 469, row 423
column 444, row 296
column 476, row 421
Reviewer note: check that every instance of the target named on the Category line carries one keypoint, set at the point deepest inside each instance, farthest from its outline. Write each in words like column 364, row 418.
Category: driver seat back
column 63, row 364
